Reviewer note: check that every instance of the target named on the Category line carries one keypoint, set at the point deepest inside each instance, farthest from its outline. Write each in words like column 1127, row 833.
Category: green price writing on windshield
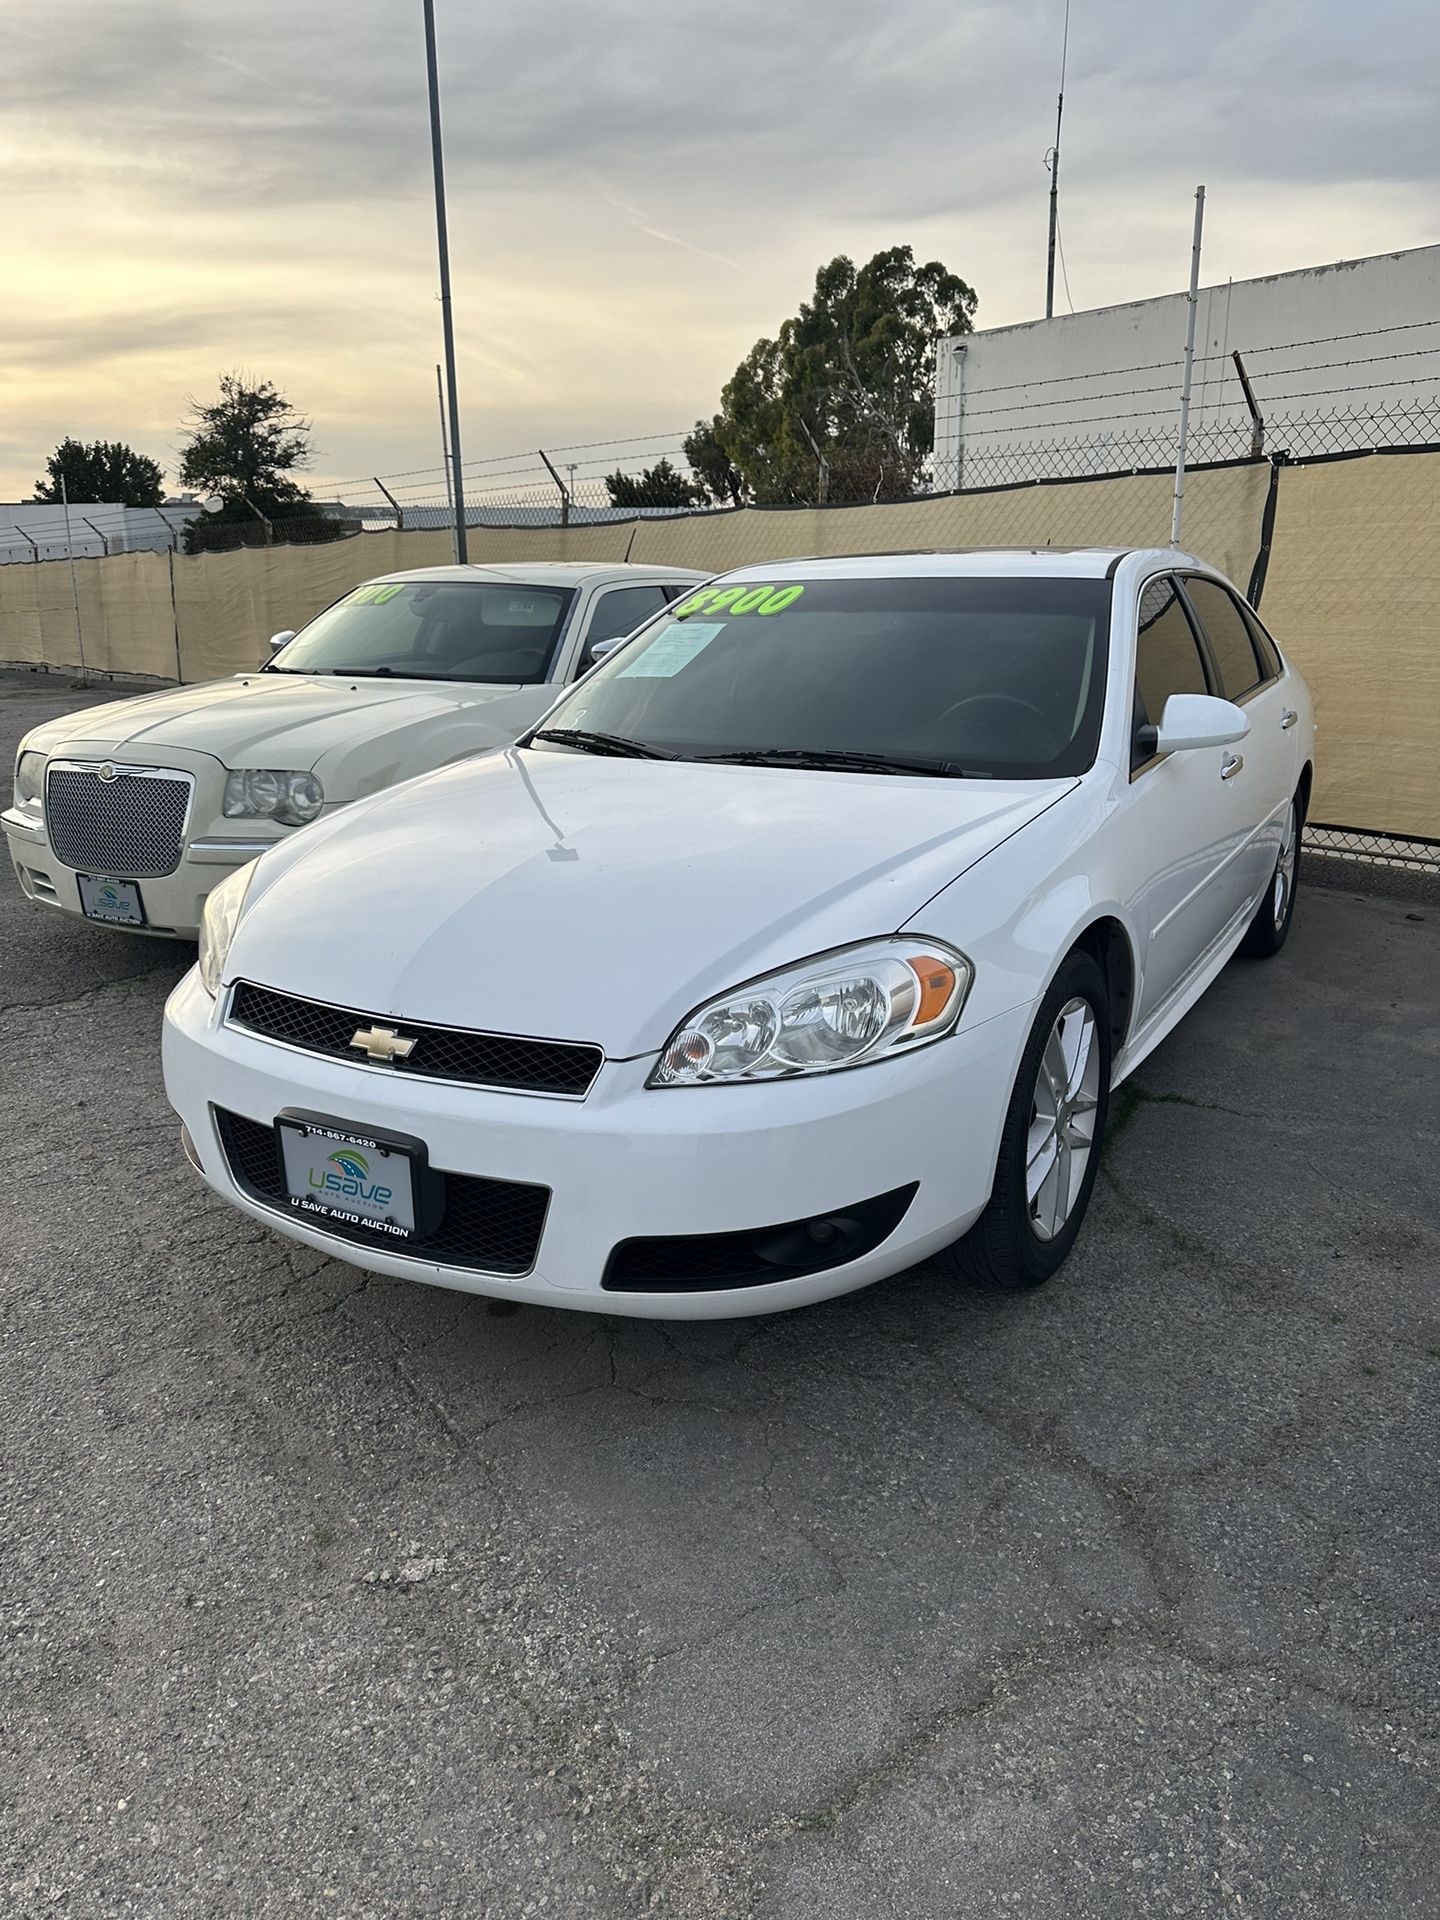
column 376, row 595
column 766, row 599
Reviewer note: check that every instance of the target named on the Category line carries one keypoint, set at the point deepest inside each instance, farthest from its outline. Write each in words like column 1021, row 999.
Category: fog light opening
column 828, row 1238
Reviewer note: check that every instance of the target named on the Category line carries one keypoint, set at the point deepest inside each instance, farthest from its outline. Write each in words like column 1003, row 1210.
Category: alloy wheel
column 1285, row 868
column 1062, row 1118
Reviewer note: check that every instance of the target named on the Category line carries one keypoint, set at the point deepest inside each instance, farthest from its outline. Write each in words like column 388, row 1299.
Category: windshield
column 434, row 630
column 1000, row 678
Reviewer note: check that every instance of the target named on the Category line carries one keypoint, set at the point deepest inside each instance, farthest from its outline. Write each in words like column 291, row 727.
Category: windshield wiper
column 841, row 760
column 381, row 673
column 612, row 743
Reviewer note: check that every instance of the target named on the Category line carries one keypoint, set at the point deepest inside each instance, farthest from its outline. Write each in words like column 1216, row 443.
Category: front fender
column 1018, row 911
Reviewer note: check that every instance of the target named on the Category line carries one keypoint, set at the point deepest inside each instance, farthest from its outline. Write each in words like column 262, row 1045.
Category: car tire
column 1270, row 928
column 1034, row 1215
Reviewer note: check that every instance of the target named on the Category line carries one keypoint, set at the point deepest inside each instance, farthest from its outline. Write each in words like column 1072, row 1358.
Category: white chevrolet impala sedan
column 130, row 813
column 807, row 936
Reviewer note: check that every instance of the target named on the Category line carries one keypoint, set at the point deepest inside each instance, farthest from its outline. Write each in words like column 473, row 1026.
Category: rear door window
column 1229, row 637
column 1271, row 665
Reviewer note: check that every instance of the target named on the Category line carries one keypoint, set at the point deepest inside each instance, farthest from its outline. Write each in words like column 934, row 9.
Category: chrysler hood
column 277, row 720
column 579, row 898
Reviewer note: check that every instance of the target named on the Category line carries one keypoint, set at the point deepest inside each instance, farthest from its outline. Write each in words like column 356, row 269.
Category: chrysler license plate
column 115, row 901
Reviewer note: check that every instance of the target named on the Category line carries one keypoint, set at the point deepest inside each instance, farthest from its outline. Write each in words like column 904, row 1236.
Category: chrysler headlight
column 268, row 793
column 29, row 780
column 217, row 927
column 841, row 1009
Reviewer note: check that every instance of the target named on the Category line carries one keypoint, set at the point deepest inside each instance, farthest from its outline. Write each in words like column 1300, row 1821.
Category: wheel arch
column 1109, row 944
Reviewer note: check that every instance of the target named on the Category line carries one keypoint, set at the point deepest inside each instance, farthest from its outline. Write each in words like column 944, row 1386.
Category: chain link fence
column 1352, row 550
column 1397, row 850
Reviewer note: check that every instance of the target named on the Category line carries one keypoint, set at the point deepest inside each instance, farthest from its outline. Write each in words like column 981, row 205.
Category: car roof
column 552, row 573
column 1069, row 563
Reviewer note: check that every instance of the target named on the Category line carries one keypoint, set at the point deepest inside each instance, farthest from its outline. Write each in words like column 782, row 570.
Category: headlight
column 266, row 793
column 217, row 928
column 841, row 1009
column 29, row 779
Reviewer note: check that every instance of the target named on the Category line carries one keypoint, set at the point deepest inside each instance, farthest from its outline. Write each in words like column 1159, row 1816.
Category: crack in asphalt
column 88, row 993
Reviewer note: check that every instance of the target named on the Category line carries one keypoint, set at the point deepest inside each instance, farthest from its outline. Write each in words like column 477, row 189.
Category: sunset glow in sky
column 638, row 191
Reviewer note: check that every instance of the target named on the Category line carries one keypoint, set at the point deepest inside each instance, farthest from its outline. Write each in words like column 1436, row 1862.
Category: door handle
column 1287, row 719
column 1231, row 765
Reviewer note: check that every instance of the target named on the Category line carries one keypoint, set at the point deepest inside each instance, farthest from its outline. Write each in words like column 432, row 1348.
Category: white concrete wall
column 1359, row 339
column 95, row 528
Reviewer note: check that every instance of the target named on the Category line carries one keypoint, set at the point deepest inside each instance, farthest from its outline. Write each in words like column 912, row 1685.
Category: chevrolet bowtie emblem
column 382, row 1043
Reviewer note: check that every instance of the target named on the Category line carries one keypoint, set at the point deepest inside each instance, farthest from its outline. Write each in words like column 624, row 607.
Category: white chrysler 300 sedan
column 131, row 812
column 807, row 935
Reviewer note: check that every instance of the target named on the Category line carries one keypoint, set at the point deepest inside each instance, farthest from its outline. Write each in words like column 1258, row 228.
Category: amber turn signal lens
column 937, row 984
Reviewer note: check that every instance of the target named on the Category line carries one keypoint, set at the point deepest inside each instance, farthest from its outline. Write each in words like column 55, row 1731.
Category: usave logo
column 347, row 1173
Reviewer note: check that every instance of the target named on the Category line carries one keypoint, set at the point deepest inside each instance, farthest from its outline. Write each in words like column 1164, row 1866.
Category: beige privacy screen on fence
column 1223, row 507
column 1353, row 589
column 1353, row 595
column 126, row 617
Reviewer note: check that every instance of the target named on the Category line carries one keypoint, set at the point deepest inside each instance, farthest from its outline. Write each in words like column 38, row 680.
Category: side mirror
column 278, row 640
column 603, row 649
column 1199, row 720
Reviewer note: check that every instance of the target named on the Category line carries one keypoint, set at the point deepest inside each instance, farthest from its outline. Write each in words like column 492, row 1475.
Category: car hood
column 268, row 719
column 581, row 898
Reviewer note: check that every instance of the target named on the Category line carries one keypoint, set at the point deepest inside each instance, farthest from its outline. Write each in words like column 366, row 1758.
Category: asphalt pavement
column 326, row 1594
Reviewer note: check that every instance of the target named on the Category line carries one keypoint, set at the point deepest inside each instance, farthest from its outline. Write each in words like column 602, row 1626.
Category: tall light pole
column 457, row 484
column 1191, row 303
column 1054, row 159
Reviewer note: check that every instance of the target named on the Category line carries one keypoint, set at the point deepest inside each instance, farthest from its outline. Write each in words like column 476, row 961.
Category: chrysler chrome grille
column 511, row 1062
column 116, row 820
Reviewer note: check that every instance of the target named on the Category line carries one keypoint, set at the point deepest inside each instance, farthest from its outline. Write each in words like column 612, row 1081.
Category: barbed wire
column 983, row 441
column 578, row 446
column 1127, row 393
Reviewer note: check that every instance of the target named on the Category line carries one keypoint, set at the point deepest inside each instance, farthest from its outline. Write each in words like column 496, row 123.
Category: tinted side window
column 617, row 613
column 621, row 611
column 1168, row 658
column 1229, row 638
column 1271, row 665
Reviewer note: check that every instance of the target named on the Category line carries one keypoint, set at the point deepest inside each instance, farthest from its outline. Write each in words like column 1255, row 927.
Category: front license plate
column 349, row 1177
column 115, row 901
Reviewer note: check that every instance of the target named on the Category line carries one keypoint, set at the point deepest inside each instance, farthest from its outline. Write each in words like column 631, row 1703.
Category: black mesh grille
column 132, row 824
column 440, row 1053
column 491, row 1225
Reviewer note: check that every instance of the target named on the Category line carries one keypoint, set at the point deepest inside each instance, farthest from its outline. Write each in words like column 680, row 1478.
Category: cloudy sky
column 638, row 190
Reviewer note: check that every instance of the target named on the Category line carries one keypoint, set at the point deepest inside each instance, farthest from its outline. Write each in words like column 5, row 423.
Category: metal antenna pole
column 1191, row 304
column 443, row 242
column 74, row 587
column 444, row 448
column 1054, row 158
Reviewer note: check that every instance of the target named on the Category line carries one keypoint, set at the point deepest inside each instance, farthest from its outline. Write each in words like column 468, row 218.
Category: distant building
column 38, row 530
column 1338, row 357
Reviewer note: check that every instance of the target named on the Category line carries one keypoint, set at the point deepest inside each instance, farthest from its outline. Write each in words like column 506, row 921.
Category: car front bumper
column 174, row 903
column 633, row 1162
